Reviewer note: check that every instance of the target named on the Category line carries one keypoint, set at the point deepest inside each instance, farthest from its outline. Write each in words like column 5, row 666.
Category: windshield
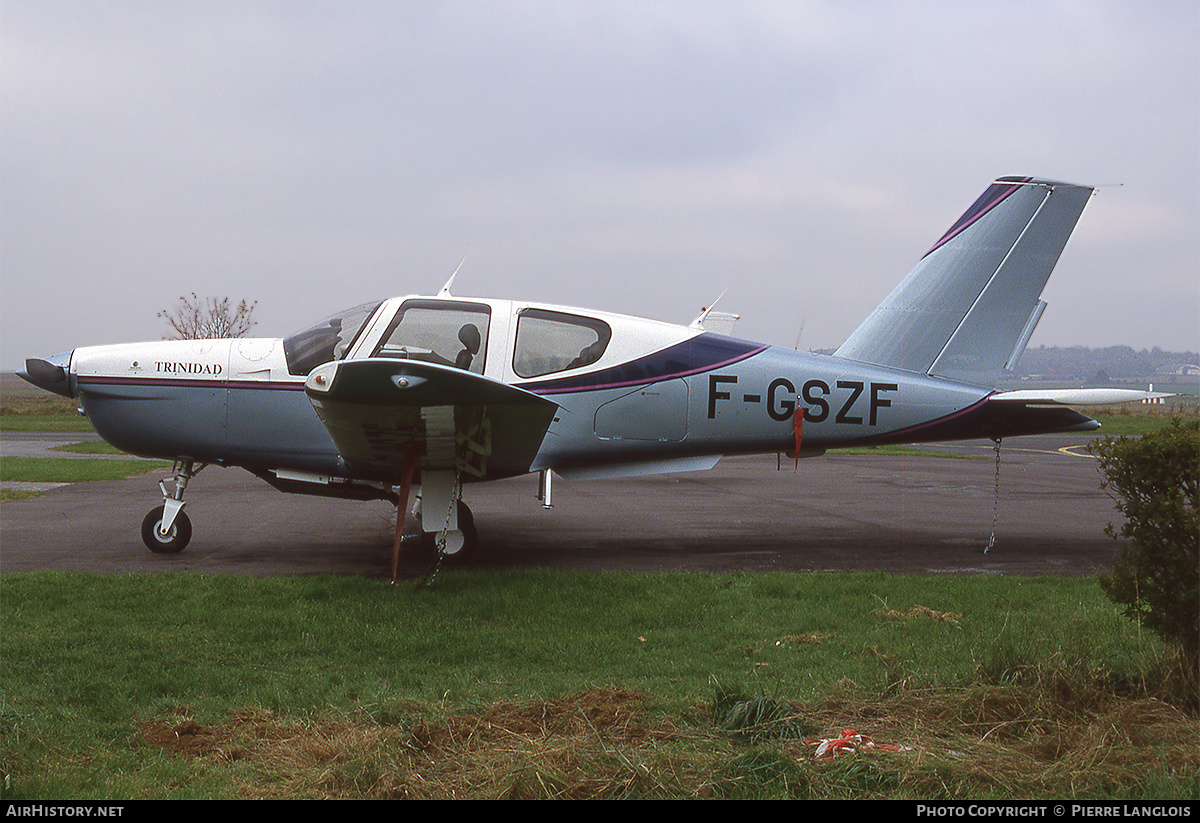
column 328, row 340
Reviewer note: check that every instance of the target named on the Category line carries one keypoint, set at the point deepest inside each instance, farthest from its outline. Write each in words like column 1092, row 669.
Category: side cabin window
column 439, row 331
column 328, row 340
column 551, row 341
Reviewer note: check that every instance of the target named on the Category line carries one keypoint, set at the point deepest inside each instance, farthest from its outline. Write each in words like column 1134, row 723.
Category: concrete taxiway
column 923, row 515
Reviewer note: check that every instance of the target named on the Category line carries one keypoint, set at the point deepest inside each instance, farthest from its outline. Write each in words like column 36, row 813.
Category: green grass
column 56, row 422
column 74, row 470
column 1133, row 424
column 25, row 408
column 88, row 658
column 303, row 644
column 88, row 447
column 17, row 494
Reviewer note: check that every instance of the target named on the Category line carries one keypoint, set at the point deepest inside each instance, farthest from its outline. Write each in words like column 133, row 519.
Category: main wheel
column 456, row 549
column 173, row 541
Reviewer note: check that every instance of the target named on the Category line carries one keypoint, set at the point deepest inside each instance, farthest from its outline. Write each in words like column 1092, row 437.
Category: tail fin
column 969, row 307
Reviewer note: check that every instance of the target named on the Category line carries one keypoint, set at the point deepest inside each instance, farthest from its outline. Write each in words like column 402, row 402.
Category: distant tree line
column 1118, row 364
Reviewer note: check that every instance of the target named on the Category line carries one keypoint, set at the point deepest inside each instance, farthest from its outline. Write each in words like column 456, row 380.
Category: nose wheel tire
column 173, row 541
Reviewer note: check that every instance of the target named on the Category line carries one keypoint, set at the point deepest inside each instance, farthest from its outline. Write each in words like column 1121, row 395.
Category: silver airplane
column 443, row 391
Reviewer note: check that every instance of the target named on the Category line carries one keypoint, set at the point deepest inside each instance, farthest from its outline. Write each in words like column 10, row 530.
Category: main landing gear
column 457, row 543
column 167, row 529
column 447, row 527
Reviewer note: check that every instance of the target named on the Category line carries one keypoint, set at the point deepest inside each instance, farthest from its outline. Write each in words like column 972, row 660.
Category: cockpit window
column 439, row 331
column 551, row 341
column 328, row 340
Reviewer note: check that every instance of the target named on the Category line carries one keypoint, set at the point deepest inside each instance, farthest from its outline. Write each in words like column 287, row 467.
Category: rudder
column 967, row 309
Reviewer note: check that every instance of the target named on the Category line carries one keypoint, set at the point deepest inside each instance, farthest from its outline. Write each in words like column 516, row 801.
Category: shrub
column 1154, row 480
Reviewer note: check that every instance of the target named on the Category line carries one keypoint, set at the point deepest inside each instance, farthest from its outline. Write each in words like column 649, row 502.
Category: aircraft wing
column 378, row 410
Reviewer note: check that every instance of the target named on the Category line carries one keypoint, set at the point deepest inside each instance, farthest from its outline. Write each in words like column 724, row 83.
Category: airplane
column 440, row 392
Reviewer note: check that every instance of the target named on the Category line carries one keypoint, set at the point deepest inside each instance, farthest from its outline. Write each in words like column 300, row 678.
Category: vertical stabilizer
column 967, row 309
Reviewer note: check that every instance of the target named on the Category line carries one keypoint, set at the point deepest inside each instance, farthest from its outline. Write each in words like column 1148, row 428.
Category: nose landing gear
column 167, row 529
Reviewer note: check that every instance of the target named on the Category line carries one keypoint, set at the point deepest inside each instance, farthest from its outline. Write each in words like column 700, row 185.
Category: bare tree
column 196, row 319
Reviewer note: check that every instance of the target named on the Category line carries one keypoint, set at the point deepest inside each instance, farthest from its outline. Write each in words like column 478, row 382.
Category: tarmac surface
column 920, row 515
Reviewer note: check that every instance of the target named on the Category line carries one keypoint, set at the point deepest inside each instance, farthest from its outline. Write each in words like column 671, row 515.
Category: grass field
column 50, row 422
column 25, row 408
column 73, row 470
column 78, row 470
column 559, row 684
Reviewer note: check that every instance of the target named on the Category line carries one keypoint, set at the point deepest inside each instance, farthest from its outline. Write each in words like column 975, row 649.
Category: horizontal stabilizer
column 1036, row 411
column 1075, row 397
column 967, row 309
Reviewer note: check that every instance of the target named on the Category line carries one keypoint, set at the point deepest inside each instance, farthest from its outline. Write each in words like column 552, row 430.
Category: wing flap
column 379, row 410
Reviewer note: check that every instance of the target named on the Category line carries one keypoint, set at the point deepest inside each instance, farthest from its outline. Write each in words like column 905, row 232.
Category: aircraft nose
column 50, row 373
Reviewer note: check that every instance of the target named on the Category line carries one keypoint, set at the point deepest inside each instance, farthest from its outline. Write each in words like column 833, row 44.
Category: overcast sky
column 640, row 157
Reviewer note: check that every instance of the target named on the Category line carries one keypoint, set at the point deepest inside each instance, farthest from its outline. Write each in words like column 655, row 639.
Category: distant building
column 1189, row 371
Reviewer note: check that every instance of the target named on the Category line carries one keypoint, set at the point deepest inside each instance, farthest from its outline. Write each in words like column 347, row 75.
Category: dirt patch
column 612, row 743
column 614, row 714
column 496, row 751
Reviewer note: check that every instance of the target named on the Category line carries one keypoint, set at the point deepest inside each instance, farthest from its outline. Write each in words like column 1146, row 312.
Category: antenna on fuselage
column 698, row 323
column 445, row 292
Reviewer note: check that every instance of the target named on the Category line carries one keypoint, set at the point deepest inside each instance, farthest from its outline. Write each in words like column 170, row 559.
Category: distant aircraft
column 444, row 391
